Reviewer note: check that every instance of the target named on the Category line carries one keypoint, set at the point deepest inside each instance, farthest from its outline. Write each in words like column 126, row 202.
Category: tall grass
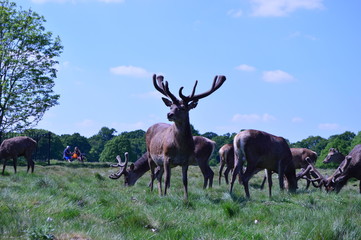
column 75, row 201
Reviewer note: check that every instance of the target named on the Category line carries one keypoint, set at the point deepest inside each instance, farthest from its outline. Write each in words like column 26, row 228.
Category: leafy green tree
column 137, row 142
column 27, row 68
column 98, row 142
column 356, row 140
column 209, row 135
column 316, row 144
column 116, row 146
column 76, row 140
column 56, row 147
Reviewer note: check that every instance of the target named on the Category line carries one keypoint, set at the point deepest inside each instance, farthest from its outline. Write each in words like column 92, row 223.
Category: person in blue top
column 67, row 154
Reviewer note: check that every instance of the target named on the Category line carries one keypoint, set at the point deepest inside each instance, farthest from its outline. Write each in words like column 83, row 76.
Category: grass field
column 75, row 201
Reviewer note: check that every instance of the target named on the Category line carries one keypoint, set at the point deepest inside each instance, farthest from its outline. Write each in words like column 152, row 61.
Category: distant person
column 67, row 155
column 77, row 154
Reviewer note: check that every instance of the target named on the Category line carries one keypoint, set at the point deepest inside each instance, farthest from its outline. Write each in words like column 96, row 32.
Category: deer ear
column 167, row 102
column 132, row 166
column 193, row 105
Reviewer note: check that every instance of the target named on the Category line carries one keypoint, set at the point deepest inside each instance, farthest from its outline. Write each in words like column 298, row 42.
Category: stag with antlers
column 173, row 145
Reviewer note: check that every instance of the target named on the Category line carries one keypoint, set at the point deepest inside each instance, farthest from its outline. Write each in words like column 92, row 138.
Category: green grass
column 75, row 201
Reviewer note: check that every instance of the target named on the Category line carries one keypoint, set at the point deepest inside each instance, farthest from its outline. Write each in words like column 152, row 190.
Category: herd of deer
column 170, row 145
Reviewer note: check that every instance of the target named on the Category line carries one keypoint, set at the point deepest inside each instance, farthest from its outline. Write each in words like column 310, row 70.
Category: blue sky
column 292, row 66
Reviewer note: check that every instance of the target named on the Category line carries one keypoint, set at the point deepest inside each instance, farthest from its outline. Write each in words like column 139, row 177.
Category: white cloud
column 245, row 68
column 252, row 118
column 297, row 120
column 130, row 71
column 277, row 76
column 328, row 126
column 235, row 13
column 279, row 8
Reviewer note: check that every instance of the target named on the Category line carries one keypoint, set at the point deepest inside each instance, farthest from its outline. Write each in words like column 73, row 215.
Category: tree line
column 107, row 144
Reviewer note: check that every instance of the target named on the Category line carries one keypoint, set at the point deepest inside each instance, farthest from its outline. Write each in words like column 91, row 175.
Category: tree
column 137, row 143
column 27, row 68
column 356, row 140
column 117, row 146
column 316, row 144
column 42, row 138
column 98, row 142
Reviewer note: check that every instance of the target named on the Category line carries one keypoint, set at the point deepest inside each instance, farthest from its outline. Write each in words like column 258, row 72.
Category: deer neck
column 182, row 131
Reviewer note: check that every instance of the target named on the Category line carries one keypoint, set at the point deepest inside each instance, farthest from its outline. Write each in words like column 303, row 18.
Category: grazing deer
column 262, row 150
column 299, row 156
column 16, row 147
column 204, row 148
column 173, row 145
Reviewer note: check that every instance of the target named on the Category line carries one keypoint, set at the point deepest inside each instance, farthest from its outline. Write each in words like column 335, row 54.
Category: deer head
column 333, row 156
column 179, row 108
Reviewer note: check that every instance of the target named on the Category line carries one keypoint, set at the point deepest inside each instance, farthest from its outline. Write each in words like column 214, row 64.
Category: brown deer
column 262, row 150
column 173, row 145
column 226, row 156
column 16, row 147
column 299, row 156
column 350, row 167
column 334, row 156
column 204, row 148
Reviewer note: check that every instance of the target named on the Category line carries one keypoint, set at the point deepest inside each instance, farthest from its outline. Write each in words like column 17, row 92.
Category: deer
column 16, row 147
column 204, row 148
column 350, row 167
column 299, row 156
column 226, row 156
column 262, row 150
column 334, row 156
column 172, row 144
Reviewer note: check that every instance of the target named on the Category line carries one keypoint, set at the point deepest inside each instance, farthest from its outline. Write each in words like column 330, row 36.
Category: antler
column 122, row 167
column 217, row 83
column 321, row 180
column 163, row 88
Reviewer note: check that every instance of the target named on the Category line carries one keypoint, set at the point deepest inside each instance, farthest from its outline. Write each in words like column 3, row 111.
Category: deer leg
column 30, row 163
column 220, row 172
column 269, row 177
column 281, row 175
column 167, row 174
column 211, row 175
column 5, row 160
column 204, row 171
column 152, row 176
column 264, row 180
column 15, row 159
column 360, row 186
column 185, row 180
column 226, row 173
column 159, row 175
column 237, row 170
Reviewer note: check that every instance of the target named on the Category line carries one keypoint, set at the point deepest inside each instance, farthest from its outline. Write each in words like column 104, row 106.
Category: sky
column 292, row 66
